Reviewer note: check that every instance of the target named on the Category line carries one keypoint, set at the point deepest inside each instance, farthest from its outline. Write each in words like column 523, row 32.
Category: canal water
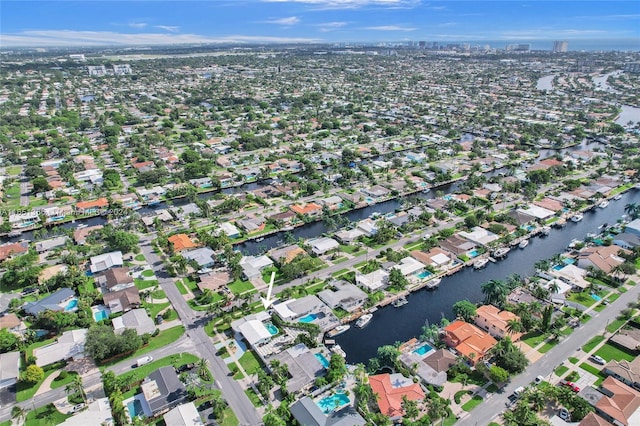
column 390, row 325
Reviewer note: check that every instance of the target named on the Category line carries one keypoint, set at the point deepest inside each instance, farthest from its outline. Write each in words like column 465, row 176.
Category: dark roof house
column 163, row 390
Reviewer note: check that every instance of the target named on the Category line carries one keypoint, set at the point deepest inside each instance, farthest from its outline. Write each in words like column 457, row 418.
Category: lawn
column 547, row 346
column 582, row 298
column 181, row 287
column 591, row 369
column 147, row 273
column 144, row 284
column 162, row 339
column 573, row 360
column 339, row 260
column 229, row 418
column 47, row 415
column 190, row 284
column 156, row 308
column 561, row 370
column 349, row 249
column 340, row 272
column 249, row 362
column 25, row 391
column 57, row 382
column 255, row 399
column 615, row 324
column 140, row 258
column 534, row 338
column 588, row 347
column 609, row 352
column 175, row 360
column 13, row 170
column 239, row 286
column 472, row 403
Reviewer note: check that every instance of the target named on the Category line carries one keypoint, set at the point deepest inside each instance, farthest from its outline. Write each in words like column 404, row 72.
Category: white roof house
column 573, row 275
column 98, row 412
column 136, row 319
column 322, row 245
column 102, row 262
column 51, row 243
column 253, row 265
column 229, row 229
column 479, row 236
column 409, row 266
column 203, row 256
column 346, row 296
column 373, row 280
column 69, row 345
column 184, row 415
column 253, row 329
column 440, row 259
column 9, row 369
column 537, row 212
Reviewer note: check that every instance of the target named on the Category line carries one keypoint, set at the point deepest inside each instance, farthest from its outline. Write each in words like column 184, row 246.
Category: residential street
column 567, row 347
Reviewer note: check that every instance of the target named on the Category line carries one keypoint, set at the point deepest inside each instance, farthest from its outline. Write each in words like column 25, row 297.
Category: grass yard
column 339, row 260
column 47, row 415
column 534, row 338
column 255, row 399
column 175, row 360
column 162, row 339
column 609, row 352
column 582, row 298
column 548, row 346
column 472, row 403
column 591, row 369
column 140, row 257
column 349, row 249
column 573, row 360
column 147, row 273
column 239, row 286
column 615, row 324
column 340, row 273
column 229, row 418
column 58, row 382
column 191, row 284
column 13, row 170
column 588, row 347
column 561, row 370
column 25, row 391
column 181, row 287
column 155, row 308
column 249, row 362
column 144, row 284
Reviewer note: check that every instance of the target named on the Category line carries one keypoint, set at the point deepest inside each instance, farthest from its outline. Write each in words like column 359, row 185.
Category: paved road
column 233, row 393
column 24, row 192
column 567, row 347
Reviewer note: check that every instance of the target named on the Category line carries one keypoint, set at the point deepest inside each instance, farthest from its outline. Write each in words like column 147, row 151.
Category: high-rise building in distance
column 560, row 46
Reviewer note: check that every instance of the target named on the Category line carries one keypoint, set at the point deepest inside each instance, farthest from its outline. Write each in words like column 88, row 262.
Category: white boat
column 363, row 320
column 603, row 204
column 338, row 330
column 400, row 302
column 523, row 244
column 338, row 350
column 545, row 231
column 618, row 197
column 258, row 240
column 433, row 283
column 501, row 252
column 82, row 225
column 577, row 217
column 574, row 243
column 14, row 234
column 480, row 263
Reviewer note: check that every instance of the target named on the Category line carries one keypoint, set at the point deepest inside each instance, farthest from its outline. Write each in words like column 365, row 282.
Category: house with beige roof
column 496, row 322
column 628, row 372
column 604, row 258
column 436, row 257
column 620, row 403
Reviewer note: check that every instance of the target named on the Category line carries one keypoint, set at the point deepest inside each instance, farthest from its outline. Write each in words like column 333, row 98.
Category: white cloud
column 138, row 25
column 390, row 28
column 61, row 38
column 351, row 4
column 331, row 26
column 291, row 20
column 170, row 28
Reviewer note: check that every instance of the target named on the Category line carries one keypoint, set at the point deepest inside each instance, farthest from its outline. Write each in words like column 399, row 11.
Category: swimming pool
column 25, row 224
column 473, row 253
column 323, row 360
column 330, row 403
column 73, row 303
column 308, row 318
column 272, row 329
column 135, row 408
column 423, row 349
column 424, row 274
column 596, row 297
column 101, row 313
column 558, row 267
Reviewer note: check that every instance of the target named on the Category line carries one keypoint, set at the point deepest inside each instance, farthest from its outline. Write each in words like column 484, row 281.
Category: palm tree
column 495, row 292
column 18, row 414
column 76, row 387
column 437, row 407
column 514, row 326
column 203, row 371
column 633, row 210
column 538, row 400
column 514, row 281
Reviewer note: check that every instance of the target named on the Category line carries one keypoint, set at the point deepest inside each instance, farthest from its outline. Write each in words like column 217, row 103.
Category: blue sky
column 585, row 24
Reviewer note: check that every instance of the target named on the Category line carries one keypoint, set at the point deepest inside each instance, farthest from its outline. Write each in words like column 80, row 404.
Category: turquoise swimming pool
column 596, row 297
column 558, row 267
column 473, row 253
column 423, row 349
column 323, row 360
column 73, row 303
column 333, row 402
column 273, row 330
column 424, row 274
column 308, row 318
column 100, row 315
column 135, row 408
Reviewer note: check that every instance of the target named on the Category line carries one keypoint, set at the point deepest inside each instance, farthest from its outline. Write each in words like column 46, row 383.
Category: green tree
column 337, row 368
column 495, row 292
column 397, row 281
column 410, row 408
column 498, row 374
column 465, row 310
column 40, row 184
column 8, row 341
column 388, row 355
column 33, row 374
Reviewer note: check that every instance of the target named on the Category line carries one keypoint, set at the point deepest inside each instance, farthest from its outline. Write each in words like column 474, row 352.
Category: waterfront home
column 368, row 226
column 425, row 369
column 457, row 245
column 604, row 258
column 92, row 207
column 627, row 240
column 549, row 204
column 136, row 319
column 54, row 302
column 69, row 345
column 201, row 183
column 391, row 389
column 285, row 217
column 633, row 227
column 373, row 281
column 436, row 257
column 115, row 279
column 163, row 215
column 309, row 209
column 308, row 413
column 617, row 402
column 333, row 203
column 229, row 229
column 284, row 255
column 573, row 275
column 122, row 300
column 106, row 261
column 181, row 242
column 628, row 372
column 307, row 309
column 252, row 266
column 80, row 235
column 203, row 256
column 183, row 212
column 163, row 390
column 129, row 201
column 9, row 369
column 521, row 217
column 376, row 191
column 468, row 340
column 496, row 322
column 537, row 212
column 51, row 243
column 254, row 224
column 343, row 295
column 303, row 365
column 348, row 236
column 9, row 250
column 320, row 246
column 479, row 236
column 409, row 266
column 23, row 219
column 253, row 328
column 183, row 415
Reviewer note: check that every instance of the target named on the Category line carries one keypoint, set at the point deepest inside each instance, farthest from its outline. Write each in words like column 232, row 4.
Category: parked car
column 518, row 391
column 511, row 400
column 159, row 319
column 143, row 361
column 564, row 414
column 597, row 359
column 538, row 380
column 77, row 408
column 572, row 385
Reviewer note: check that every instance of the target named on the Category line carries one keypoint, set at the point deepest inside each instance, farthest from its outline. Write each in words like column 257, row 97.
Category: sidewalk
column 46, row 385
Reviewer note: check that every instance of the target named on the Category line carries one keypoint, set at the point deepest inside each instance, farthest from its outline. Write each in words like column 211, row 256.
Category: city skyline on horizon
column 592, row 26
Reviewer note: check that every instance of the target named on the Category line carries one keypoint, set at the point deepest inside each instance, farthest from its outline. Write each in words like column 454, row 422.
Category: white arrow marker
column 266, row 302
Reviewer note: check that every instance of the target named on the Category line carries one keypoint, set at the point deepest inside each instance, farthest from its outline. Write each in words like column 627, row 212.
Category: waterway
column 628, row 113
column 601, row 82
column 390, row 325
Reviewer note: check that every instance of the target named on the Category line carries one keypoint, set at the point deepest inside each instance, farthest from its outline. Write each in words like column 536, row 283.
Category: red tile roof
column 390, row 394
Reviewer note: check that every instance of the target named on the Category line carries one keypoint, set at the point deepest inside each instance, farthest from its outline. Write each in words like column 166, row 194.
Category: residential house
column 409, row 266
column 457, row 245
column 80, row 235
column 229, row 229
column 333, row 203
column 628, row 338
column 628, row 372
column 183, row 415
column 368, row 226
column 105, row 261
column 163, row 390
column 573, row 275
column 343, row 295
column 348, row 236
column 252, row 266
column 286, row 254
column 24, row 219
column 9, row 250
column 98, row 412
column 128, row 201
column 604, row 258
column 51, row 243
column 549, row 204
column 303, row 365
column 320, row 246
column 538, row 212
column 115, row 279
column 521, row 217
column 253, row 329
column 308, row 309
column 496, row 322
column 480, row 236
column 69, row 345
column 620, row 404
column 93, row 206
column 436, row 257
column 54, row 302
column 391, row 390
column 432, row 370
column 376, row 191
column 122, row 300
column 136, row 319
column 309, row 209
column 9, row 369
column 254, row 224
column 203, row 256
column 633, row 227
column 373, row 281
column 308, row 413
column 468, row 340
column 181, row 242
column 592, row 419
column 214, row 281
column 12, row 323
column 627, row 240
